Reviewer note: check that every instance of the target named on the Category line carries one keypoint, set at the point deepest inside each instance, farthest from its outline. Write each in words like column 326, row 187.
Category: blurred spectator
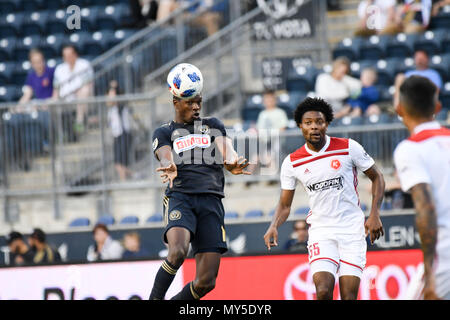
column 142, row 11
column 413, row 16
column 376, row 17
column 422, row 69
column 269, row 120
column 133, row 248
column 333, row 5
column 438, row 5
column 120, row 122
column 20, row 253
column 299, row 238
column 336, row 87
column 364, row 104
column 165, row 8
column 73, row 80
column 39, row 82
column 105, row 247
column 43, row 253
column 208, row 13
column 394, row 193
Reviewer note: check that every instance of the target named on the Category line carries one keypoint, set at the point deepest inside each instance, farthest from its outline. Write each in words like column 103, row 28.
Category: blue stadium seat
column 443, row 115
column 430, row 41
column 7, row 6
column 442, row 65
column 442, row 20
column 89, row 16
column 374, row 48
column 120, row 35
column 34, row 23
column 129, row 220
column 231, row 215
column 20, row 73
column 301, row 211
column 31, row 5
column 349, row 47
column 7, row 46
column 291, row 99
column 97, row 42
column 51, row 45
column 24, row 46
column 80, row 222
column 302, row 79
column 9, row 93
column 251, row 113
column 10, row 24
column 444, row 96
column 401, row 46
column 112, row 17
column 78, row 39
column 6, row 72
column 378, row 119
column 385, row 72
column 106, row 219
column 157, row 217
column 56, row 23
column 254, row 214
column 55, row 4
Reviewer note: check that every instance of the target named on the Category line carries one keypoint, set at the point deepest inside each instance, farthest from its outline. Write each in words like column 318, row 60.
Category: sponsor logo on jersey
column 155, row 144
column 191, row 141
column 337, row 183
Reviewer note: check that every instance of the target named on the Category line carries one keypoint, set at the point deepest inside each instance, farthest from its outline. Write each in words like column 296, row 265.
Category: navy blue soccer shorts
column 202, row 214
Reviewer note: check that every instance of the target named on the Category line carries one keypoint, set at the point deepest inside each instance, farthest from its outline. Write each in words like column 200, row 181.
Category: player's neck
column 316, row 147
column 412, row 123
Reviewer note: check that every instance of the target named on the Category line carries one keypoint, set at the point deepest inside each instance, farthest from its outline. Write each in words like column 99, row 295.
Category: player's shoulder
column 338, row 144
column 405, row 149
column 212, row 122
column 164, row 128
column 298, row 154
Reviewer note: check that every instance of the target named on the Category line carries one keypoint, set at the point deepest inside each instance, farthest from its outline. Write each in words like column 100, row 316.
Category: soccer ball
column 185, row 81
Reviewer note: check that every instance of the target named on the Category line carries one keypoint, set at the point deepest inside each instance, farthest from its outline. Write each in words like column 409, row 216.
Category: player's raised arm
column 281, row 214
column 232, row 162
column 168, row 167
column 373, row 225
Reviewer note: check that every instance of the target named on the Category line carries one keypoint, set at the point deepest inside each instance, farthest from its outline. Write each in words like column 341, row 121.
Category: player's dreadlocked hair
column 313, row 104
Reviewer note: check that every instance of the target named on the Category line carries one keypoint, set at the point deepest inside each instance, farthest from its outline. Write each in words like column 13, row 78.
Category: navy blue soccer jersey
column 199, row 163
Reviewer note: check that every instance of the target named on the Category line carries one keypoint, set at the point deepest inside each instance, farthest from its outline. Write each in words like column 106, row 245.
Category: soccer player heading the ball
column 327, row 168
column 192, row 151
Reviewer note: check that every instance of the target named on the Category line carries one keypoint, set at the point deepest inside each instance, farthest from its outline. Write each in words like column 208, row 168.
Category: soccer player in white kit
column 423, row 166
column 327, row 167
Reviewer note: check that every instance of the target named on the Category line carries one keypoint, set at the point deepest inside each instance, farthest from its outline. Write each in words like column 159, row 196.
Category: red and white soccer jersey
column 330, row 179
column 425, row 158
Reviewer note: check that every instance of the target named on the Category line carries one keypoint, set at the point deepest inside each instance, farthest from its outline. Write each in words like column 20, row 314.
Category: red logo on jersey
column 335, row 164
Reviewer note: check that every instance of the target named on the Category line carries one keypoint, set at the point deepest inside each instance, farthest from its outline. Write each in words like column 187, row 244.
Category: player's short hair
column 313, row 104
column 418, row 96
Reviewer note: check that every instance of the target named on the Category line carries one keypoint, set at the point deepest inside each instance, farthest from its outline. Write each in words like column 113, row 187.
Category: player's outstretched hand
column 271, row 238
column 169, row 173
column 374, row 227
column 237, row 166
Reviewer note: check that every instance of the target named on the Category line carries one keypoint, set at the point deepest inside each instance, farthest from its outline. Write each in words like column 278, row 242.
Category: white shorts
column 344, row 255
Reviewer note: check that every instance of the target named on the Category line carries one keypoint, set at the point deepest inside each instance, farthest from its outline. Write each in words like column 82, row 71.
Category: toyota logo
column 280, row 8
column 299, row 280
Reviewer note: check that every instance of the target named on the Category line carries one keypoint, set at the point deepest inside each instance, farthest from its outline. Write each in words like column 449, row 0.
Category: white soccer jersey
column 330, row 179
column 425, row 158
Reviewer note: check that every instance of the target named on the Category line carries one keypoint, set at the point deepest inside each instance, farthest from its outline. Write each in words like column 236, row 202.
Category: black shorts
column 202, row 214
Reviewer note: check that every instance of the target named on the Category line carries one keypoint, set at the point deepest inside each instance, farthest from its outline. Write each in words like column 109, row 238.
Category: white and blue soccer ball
column 185, row 81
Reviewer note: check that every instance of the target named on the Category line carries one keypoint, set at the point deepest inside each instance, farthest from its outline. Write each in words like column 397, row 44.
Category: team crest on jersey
column 190, row 142
column 174, row 215
column 335, row 164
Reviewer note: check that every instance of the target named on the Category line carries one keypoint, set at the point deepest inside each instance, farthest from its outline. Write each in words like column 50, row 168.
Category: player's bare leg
column 178, row 239
column 324, row 282
column 349, row 286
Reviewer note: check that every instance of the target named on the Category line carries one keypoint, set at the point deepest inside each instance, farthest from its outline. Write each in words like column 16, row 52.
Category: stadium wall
column 388, row 275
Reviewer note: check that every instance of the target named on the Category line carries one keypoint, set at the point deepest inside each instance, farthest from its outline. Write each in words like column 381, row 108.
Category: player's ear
column 438, row 107
column 399, row 109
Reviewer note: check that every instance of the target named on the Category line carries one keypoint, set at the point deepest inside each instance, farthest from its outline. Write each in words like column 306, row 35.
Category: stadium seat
column 373, row 48
column 301, row 211
column 157, row 217
column 382, row 118
column 24, row 46
column 97, row 43
column 442, row 20
column 120, row 35
column 56, row 22
column 444, row 96
column 9, row 93
column 129, row 220
column 80, row 222
column 106, row 219
column 254, row 213
column 7, row 6
column 112, row 17
column 20, row 73
column 89, row 16
column 301, row 79
column 51, row 45
column 443, row 115
column 430, row 41
column 79, row 39
column 31, row 5
column 10, row 25
column 7, row 46
column 231, row 215
column 349, row 47
column 400, row 46
column 34, row 23
column 6, row 72
column 385, row 72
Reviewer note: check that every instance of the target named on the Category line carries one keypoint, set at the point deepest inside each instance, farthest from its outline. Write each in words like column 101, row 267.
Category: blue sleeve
column 161, row 137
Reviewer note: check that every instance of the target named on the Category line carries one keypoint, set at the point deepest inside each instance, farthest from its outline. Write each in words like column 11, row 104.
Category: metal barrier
column 42, row 155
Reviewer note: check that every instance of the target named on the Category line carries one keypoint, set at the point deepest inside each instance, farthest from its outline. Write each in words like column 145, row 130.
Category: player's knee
column 348, row 295
column 324, row 293
column 205, row 285
column 177, row 254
